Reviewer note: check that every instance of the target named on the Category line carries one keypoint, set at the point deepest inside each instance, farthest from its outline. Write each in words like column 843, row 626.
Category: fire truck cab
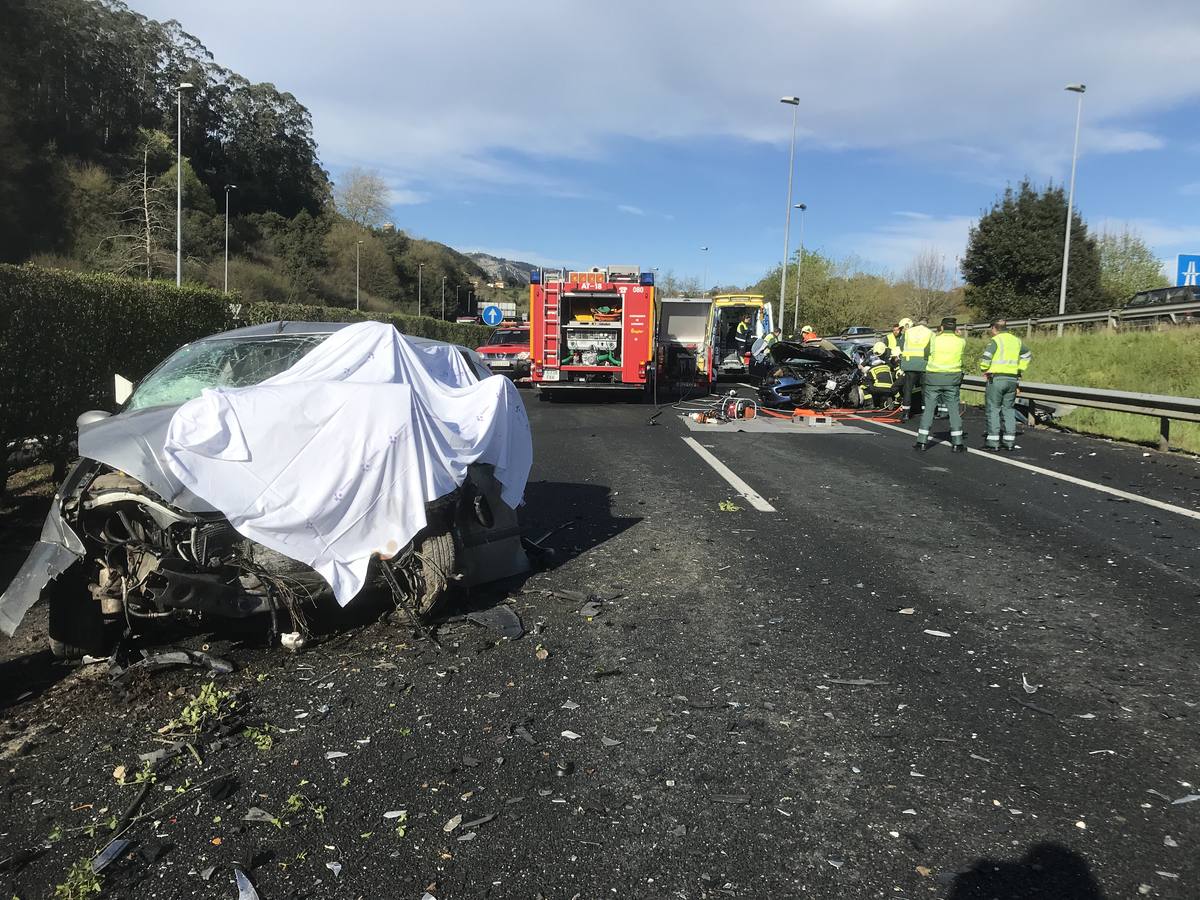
column 591, row 330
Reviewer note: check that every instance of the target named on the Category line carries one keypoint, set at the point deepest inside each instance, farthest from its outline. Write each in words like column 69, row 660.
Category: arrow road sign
column 492, row 315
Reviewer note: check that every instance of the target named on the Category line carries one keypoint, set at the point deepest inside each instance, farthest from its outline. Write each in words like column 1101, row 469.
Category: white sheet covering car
column 333, row 460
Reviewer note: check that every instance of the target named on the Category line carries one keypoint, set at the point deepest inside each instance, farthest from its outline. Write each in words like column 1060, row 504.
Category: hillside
column 512, row 272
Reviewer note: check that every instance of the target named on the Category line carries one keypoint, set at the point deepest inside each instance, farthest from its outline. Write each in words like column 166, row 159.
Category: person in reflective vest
column 771, row 338
column 879, row 381
column 913, row 346
column 1004, row 361
column 942, row 384
column 892, row 343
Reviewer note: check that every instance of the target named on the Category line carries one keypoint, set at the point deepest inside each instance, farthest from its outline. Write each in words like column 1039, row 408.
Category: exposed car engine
column 816, row 376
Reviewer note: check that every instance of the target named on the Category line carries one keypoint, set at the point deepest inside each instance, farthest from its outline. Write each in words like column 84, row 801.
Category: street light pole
column 228, row 188
column 1062, row 289
column 183, row 86
column 704, row 282
column 357, row 254
column 794, row 103
column 420, row 269
column 799, row 268
column 443, row 298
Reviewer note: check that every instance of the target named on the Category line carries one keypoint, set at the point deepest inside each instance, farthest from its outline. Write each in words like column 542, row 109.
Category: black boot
column 919, row 446
column 958, row 448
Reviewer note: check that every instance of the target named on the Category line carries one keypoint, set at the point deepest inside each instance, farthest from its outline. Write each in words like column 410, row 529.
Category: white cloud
column 893, row 245
column 631, row 210
column 977, row 83
column 1191, row 190
column 406, row 197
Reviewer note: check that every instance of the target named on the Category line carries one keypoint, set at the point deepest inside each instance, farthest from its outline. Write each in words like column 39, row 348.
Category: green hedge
column 64, row 335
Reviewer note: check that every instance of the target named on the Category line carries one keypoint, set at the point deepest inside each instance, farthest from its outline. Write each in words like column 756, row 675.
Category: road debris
column 941, row 634
column 110, row 853
column 907, row 611
column 590, row 610
column 571, row 735
column 857, row 682
column 246, row 890
column 335, row 754
column 452, row 824
column 1029, row 688
column 610, row 742
column 335, row 868
column 1187, row 798
column 500, row 618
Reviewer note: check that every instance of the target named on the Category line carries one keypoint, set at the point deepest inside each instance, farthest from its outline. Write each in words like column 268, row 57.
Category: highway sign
column 1188, row 273
column 492, row 315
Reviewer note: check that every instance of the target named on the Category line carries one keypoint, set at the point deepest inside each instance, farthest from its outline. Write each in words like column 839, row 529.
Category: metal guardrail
column 1165, row 407
column 1111, row 317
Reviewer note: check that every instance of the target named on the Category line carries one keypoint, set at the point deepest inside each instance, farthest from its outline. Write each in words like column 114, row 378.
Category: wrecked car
column 813, row 375
column 140, row 529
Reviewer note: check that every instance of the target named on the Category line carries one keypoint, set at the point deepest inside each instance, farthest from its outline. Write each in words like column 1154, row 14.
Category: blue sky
column 558, row 131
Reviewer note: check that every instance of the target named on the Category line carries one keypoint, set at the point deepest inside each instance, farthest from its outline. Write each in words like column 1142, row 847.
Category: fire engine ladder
column 551, row 302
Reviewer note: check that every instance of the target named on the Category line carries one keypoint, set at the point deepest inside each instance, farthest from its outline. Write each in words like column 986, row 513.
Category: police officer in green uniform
column 943, row 381
column 1004, row 361
column 914, row 345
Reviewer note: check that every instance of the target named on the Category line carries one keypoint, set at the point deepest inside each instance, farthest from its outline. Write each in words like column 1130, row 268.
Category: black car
column 812, row 375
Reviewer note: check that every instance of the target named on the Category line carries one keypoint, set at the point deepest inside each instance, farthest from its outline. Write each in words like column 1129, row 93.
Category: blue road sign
column 1189, row 271
column 492, row 315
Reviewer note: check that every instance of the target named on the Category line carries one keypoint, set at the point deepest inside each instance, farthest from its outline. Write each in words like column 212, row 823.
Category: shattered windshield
column 223, row 363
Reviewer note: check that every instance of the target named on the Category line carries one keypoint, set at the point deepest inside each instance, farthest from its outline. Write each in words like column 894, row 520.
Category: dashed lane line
column 748, row 493
column 1070, row 479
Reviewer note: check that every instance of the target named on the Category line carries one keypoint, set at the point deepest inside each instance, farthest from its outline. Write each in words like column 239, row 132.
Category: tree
column 1127, row 265
column 1013, row 263
column 361, row 196
column 927, row 282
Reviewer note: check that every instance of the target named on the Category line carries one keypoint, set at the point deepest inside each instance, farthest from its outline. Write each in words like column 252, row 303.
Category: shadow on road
column 570, row 518
column 1047, row 872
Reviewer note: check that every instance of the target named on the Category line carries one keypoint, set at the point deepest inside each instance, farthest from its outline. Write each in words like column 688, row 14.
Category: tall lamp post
column 794, row 103
column 228, row 188
column 1062, row 289
column 357, row 254
column 704, row 281
column 420, row 269
column 180, row 88
column 443, row 298
column 457, row 301
column 799, row 268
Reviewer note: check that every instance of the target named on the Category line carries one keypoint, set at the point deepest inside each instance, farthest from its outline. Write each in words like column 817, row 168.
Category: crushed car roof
column 822, row 352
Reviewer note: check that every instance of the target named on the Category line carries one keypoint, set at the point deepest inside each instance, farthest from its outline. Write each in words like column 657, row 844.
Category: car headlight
column 524, row 354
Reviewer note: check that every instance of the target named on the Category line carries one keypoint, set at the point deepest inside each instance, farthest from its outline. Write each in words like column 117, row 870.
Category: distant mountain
column 511, row 271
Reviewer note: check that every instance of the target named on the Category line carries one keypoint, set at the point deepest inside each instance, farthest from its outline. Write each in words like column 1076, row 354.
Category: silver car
column 125, row 542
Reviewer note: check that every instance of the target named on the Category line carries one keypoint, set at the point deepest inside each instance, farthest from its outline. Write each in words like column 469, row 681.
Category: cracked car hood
column 133, row 442
column 822, row 353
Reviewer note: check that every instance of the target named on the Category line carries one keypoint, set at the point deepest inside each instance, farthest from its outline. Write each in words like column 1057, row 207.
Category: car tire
column 439, row 557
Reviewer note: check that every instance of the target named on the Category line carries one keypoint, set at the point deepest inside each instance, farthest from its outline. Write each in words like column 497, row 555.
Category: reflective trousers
column 941, row 390
column 1000, row 396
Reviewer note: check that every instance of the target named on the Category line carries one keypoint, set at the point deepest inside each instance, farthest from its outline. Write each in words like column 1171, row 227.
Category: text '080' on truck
column 592, row 330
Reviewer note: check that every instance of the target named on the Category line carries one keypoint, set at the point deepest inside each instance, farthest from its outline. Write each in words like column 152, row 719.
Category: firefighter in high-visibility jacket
column 1004, row 361
column 913, row 346
column 942, row 384
column 879, row 380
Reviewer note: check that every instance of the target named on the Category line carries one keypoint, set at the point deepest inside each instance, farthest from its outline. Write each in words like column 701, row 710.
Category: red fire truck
column 592, row 330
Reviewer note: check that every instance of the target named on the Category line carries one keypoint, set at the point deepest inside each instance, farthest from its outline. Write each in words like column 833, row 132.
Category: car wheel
column 439, row 557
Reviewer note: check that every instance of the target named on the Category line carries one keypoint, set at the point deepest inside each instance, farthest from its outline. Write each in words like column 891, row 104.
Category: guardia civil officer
column 1004, row 361
column 913, row 346
column 942, row 384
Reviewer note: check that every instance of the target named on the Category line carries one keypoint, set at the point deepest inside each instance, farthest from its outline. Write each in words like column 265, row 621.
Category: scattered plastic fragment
column 1187, row 798
column 924, row 871
column 570, row 704
column 542, row 654
column 207, row 872
column 1085, row 716
column 570, row 735
column 452, row 824
column 482, row 820
column 499, row 618
column 335, row 868
column 394, row 813
column 293, row 640
column 1029, row 688
column 523, row 733
column 254, row 814
column 1166, row 874
column 1081, row 825
column 907, row 611
column 980, row 758
column 335, row 754
column 590, row 609
column 469, row 836
column 563, row 768
column 246, row 890
column 930, row 631
column 111, row 852
column 1169, row 841
column 609, row 742
column 857, row 682
column 836, row 863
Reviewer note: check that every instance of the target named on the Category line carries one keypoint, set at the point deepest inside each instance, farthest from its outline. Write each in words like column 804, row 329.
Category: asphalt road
column 759, row 706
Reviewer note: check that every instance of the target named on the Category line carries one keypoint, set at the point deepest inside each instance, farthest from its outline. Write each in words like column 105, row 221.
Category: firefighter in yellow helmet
column 879, row 381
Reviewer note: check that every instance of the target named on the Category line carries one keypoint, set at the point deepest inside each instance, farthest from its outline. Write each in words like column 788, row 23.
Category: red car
column 507, row 351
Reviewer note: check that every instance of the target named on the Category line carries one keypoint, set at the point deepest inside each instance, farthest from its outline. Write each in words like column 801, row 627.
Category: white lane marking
column 1070, row 479
column 752, row 496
